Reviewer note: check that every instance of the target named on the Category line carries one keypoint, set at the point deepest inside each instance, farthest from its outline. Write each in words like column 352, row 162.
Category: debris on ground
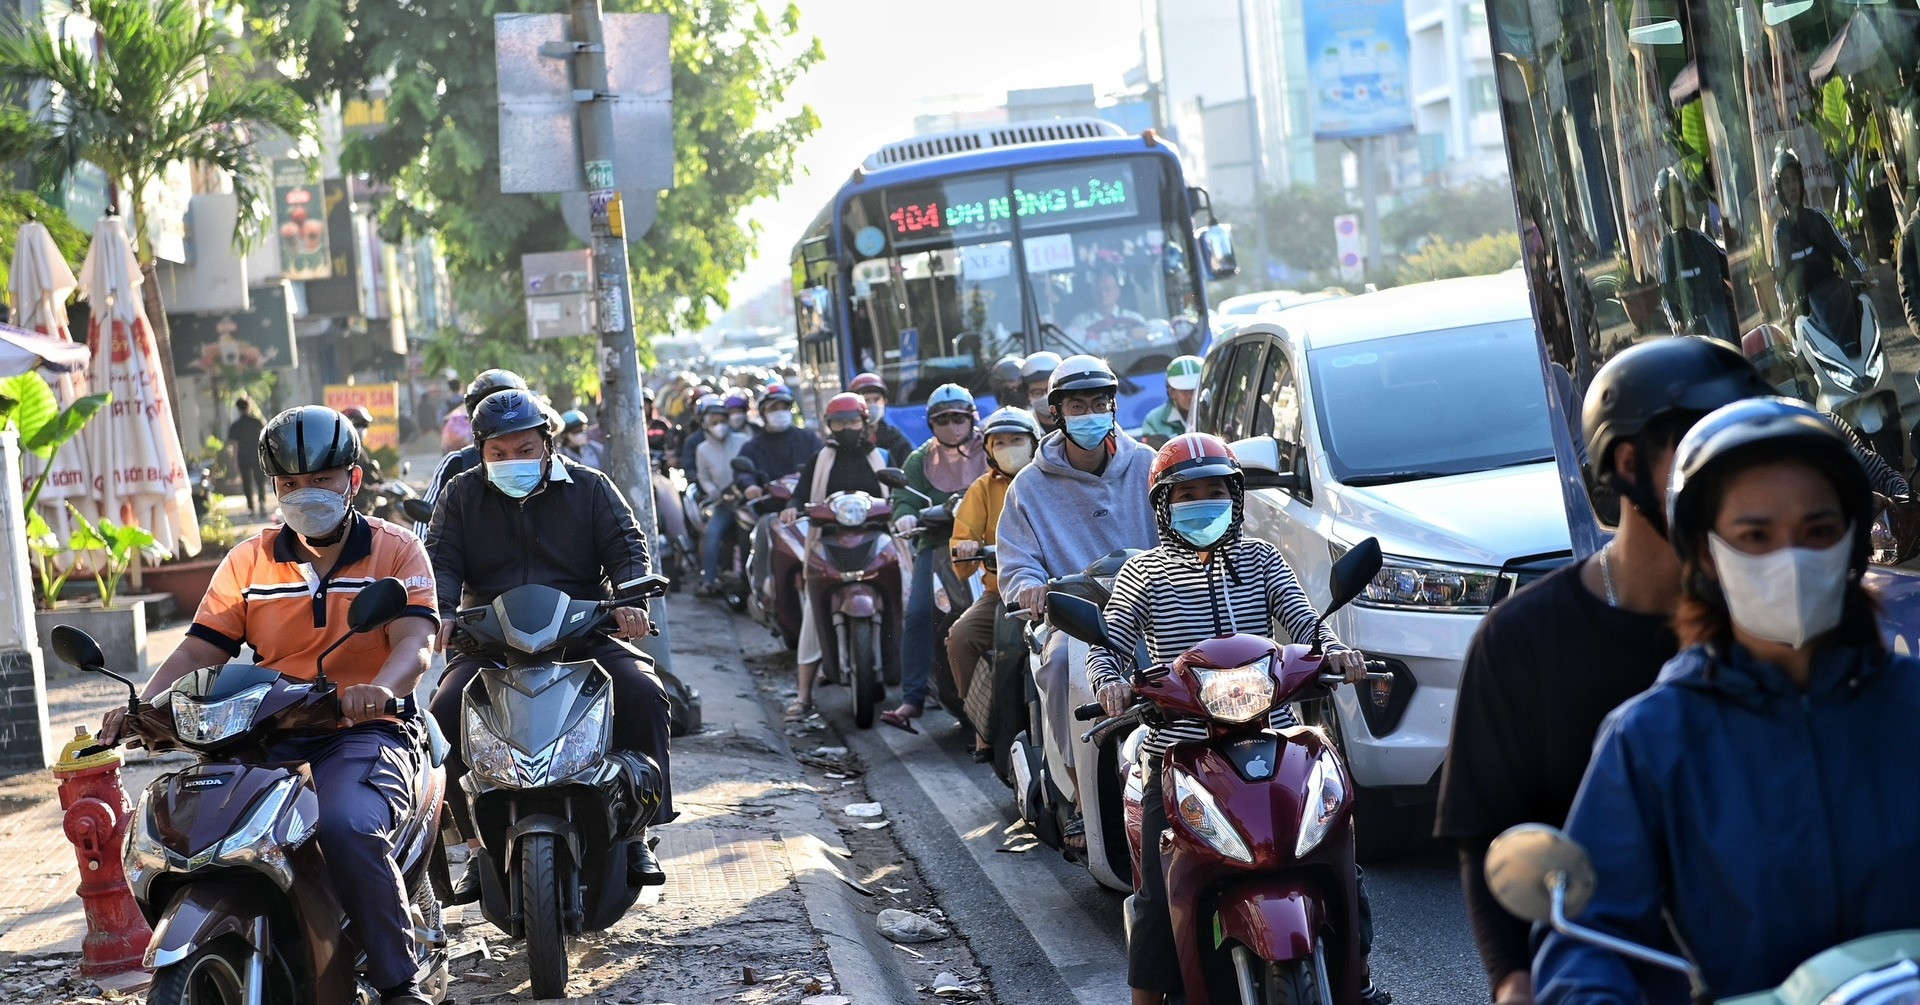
column 906, row 926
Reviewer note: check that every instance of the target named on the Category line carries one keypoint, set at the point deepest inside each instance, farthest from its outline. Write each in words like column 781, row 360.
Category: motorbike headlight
column 583, row 745
column 212, row 721
column 1325, row 795
column 1876, row 365
column 488, row 753
column 254, row 844
column 1239, row 693
column 1411, row 584
column 852, row 510
column 1202, row 814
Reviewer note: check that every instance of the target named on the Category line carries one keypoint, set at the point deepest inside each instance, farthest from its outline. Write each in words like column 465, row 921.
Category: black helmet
column 1078, row 374
column 1749, row 433
column 1657, row 381
column 1784, row 160
column 301, row 441
column 490, row 381
column 511, row 410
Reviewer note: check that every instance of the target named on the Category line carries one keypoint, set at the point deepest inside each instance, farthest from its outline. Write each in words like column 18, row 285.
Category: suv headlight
column 488, row 753
column 1325, row 794
column 1410, row 584
column 212, row 721
column 1237, row 694
column 1200, row 812
column 584, row 743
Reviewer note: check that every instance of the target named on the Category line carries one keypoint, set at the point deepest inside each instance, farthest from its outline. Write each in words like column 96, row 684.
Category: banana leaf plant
column 117, row 543
column 28, row 404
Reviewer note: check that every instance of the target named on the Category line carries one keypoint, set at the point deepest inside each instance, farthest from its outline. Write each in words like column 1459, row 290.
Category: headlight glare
column 1198, row 811
column 852, row 510
column 1237, row 694
column 1325, row 795
column 212, row 721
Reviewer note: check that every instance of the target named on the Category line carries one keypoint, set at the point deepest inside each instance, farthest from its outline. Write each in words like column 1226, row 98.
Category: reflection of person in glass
column 1693, row 269
column 1108, row 318
column 1805, row 246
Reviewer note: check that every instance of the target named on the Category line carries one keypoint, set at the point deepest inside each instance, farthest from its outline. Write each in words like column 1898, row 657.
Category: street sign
column 1349, row 247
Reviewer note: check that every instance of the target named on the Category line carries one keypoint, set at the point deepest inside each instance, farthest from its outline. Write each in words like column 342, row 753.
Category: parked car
column 1417, row 415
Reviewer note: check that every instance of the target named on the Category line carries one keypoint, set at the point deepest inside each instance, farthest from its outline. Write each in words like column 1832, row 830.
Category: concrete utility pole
column 622, row 408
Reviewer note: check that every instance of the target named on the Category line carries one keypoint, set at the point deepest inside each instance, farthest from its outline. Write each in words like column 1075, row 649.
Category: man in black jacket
column 527, row 515
column 780, row 449
column 456, row 461
column 886, row 435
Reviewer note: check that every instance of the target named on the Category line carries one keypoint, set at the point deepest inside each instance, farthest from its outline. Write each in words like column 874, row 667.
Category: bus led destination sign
column 976, row 205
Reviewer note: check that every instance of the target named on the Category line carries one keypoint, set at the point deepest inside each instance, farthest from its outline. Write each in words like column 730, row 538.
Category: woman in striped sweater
column 1203, row 580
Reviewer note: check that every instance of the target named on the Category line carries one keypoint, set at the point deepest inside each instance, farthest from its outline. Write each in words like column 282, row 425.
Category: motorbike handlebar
column 1089, row 712
column 403, row 705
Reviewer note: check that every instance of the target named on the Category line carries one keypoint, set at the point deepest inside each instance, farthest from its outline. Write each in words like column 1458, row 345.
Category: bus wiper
column 1390, row 477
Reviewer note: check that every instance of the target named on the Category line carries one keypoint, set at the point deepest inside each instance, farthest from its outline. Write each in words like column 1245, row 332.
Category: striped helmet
column 1183, row 374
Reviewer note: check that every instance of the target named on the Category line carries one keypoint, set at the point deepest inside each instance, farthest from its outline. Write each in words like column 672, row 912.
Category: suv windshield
column 1431, row 403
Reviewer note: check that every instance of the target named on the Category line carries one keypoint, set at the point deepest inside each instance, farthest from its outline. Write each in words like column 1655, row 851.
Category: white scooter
column 1043, row 795
column 1857, row 388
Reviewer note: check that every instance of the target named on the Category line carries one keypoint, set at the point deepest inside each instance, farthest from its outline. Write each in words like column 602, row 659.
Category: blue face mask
column 1089, row 431
column 517, row 479
column 1202, row 522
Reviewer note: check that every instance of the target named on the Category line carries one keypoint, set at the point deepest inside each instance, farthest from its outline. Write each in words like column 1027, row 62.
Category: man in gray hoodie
column 1084, row 496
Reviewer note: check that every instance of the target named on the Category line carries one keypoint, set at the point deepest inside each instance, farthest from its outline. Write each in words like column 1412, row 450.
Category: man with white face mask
column 1753, row 805
column 285, row 592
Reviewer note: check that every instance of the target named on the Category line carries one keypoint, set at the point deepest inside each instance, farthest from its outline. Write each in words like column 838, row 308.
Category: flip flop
column 798, row 711
column 892, row 717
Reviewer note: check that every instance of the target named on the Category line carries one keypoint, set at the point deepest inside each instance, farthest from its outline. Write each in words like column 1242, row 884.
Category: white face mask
column 1790, row 596
column 313, row 512
column 779, row 420
column 1011, row 457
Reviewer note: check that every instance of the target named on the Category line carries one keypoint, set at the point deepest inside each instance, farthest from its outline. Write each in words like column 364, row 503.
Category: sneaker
column 1376, row 995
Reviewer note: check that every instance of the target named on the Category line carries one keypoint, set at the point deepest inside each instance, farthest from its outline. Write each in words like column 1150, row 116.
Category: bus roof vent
column 962, row 141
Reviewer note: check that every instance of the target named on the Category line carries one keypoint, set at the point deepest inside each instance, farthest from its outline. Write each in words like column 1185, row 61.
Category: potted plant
column 107, row 549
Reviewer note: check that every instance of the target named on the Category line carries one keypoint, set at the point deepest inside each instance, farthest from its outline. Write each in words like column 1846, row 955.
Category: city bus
column 1648, row 144
column 910, row 271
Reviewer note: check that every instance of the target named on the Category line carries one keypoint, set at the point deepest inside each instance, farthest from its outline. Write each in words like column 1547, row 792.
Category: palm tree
column 167, row 86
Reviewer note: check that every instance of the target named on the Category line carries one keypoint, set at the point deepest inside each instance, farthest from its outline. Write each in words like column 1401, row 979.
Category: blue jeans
column 916, row 639
column 716, row 533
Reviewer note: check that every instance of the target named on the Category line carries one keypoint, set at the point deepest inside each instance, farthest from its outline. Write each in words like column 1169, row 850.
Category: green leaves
column 118, row 543
column 34, row 406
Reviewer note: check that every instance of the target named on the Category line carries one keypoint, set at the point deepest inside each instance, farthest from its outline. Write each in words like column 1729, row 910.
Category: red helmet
column 845, row 404
column 868, row 382
column 1191, row 456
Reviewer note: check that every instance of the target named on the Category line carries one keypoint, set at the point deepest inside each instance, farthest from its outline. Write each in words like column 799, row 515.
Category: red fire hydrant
column 97, row 814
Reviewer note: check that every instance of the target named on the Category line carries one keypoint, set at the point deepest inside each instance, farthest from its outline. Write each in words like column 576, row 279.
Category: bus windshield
column 938, row 293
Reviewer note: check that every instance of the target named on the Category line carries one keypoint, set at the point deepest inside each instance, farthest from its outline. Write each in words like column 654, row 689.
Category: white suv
column 1418, row 416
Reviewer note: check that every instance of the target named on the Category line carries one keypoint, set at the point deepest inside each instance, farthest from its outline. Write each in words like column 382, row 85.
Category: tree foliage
column 735, row 139
column 168, row 86
column 494, row 333
column 1458, row 214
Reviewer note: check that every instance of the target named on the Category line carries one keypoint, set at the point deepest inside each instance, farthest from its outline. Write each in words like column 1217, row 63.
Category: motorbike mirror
column 644, row 588
column 744, row 466
column 1353, row 572
column 1078, row 617
column 77, row 649
column 893, row 478
column 417, row 510
column 1522, row 864
column 377, row 605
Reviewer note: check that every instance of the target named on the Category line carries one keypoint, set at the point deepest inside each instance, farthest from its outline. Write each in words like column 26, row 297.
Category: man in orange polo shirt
column 285, row 592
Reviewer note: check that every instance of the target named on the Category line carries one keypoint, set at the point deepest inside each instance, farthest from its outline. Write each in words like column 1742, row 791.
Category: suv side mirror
column 1265, row 464
column 1216, row 250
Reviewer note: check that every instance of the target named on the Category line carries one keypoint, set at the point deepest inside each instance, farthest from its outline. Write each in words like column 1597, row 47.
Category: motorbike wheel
column 1295, row 982
column 866, row 676
column 213, row 975
column 546, row 923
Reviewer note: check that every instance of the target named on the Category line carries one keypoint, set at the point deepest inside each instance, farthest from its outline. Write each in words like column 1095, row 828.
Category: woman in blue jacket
column 1759, row 804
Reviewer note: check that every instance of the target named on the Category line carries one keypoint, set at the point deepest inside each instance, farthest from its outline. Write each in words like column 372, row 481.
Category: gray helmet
column 310, row 438
column 1010, row 419
column 1039, row 366
column 1078, row 374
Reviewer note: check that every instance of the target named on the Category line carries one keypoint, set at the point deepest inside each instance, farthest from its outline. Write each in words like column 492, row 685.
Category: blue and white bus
column 911, row 271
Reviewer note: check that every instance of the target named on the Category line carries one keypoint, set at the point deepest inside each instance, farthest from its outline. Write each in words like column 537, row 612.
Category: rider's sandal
column 798, row 711
column 899, row 720
column 1076, row 828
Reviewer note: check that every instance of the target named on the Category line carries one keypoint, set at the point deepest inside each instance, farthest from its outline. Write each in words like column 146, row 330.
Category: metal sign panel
column 539, row 131
column 559, row 291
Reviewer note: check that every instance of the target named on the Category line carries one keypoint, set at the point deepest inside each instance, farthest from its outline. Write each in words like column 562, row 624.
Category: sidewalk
column 765, row 903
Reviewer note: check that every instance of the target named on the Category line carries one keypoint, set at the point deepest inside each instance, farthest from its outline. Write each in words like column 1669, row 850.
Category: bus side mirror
column 1216, row 249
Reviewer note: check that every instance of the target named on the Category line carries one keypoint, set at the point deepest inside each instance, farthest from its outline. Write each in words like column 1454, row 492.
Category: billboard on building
column 300, row 222
column 1357, row 62
column 382, row 401
column 236, row 341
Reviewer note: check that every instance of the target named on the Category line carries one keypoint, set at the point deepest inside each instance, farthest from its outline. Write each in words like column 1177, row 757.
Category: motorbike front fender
column 201, row 913
column 543, row 823
column 1273, row 918
column 857, row 602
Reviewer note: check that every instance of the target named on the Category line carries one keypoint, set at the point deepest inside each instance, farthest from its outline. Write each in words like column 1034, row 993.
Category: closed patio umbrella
column 140, row 470
column 38, row 286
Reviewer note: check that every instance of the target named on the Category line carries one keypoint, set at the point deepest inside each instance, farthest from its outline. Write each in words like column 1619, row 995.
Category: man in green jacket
column 1170, row 419
column 940, row 470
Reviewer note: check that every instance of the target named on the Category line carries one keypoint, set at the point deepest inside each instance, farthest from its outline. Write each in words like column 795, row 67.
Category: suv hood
column 1486, row 518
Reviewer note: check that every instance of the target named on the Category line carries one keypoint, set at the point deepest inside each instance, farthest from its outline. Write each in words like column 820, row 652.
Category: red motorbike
column 1258, row 849
column 776, row 562
column 854, row 581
